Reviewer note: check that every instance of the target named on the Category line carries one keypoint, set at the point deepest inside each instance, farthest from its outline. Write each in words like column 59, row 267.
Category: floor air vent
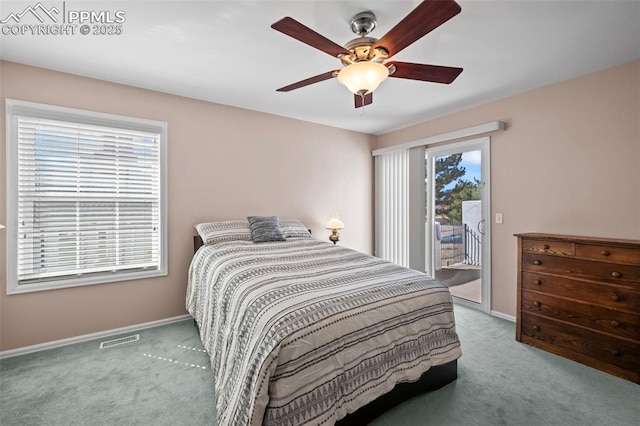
column 119, row 341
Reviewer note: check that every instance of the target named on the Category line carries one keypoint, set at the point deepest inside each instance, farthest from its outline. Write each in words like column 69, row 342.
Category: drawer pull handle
column 536, row 304
column 537, row 282
column 605, row 252
column 536, row 328
column 615, row 297
column 616, row 274
column 615, row 353
column 545, row 247
column 537, row 262
column 615, row 324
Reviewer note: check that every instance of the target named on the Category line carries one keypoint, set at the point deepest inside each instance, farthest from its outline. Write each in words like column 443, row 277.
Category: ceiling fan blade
column 423, row 72
column 308, row 81
column 361, row 101
column 295, row 29
column 429, row 15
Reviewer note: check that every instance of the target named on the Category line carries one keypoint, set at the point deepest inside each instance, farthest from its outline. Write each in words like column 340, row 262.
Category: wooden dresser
column 579, row 298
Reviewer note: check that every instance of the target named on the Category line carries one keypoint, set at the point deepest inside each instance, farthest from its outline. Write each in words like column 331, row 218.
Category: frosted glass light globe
column 363, row 77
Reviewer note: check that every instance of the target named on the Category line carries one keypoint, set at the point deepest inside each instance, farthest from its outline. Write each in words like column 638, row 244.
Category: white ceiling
column 226, row 52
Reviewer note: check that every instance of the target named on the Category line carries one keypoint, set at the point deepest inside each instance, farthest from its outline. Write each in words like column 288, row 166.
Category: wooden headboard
column 197, row 242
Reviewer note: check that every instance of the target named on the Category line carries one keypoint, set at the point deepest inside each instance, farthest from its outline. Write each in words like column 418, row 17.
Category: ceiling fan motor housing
column 363, row 23
column 360, row 48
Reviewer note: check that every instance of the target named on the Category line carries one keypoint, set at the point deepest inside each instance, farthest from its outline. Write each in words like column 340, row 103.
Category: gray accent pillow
column 265, row 229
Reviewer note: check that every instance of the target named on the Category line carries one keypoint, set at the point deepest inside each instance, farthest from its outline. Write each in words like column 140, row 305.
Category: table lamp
column 334, row 225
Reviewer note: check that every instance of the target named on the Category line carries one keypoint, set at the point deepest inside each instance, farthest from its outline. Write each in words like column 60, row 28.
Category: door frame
column 482, row 144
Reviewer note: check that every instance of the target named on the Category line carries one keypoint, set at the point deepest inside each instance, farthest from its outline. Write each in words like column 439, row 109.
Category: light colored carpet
column 122, row 385
column 160, row 381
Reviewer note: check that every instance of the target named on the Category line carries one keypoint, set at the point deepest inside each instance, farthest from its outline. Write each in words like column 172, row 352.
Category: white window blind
column 392, row 206
column 400, row 207
column 88, row 201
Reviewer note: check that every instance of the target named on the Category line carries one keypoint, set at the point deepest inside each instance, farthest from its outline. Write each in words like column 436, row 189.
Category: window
column 86, row 197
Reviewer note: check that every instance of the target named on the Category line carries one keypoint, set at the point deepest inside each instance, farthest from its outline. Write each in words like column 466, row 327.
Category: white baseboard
column 503, row 316
column 86, row 337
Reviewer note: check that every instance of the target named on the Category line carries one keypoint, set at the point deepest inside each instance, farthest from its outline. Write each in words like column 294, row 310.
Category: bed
column 301, row 331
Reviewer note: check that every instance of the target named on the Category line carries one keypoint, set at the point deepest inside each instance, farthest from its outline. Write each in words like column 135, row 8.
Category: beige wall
column 568, row 163
column 224, row 163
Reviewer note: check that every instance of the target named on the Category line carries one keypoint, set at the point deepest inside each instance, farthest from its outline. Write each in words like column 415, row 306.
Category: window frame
column 15, row 108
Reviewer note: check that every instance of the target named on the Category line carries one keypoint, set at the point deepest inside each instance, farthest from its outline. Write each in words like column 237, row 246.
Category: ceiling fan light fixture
column 363, row 57
column 363, row 77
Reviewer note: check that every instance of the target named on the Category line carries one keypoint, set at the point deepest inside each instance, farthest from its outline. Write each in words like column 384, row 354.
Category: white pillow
column 293, row 228
column 228, row 230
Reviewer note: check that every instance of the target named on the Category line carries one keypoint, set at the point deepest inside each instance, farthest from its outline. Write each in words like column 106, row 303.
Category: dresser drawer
column 589, row 269
column 549, row 247
column 608, row 253
column 603, row 294
column 618, row 352
column 592, row 316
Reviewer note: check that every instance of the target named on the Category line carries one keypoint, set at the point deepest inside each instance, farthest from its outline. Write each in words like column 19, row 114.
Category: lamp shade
column 334, row 223
column 363, row 77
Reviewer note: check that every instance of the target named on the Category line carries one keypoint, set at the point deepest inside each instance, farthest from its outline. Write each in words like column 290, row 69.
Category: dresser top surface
column 580, row 239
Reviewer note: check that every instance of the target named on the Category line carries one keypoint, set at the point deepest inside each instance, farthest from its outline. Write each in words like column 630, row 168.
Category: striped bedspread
column 305, row 332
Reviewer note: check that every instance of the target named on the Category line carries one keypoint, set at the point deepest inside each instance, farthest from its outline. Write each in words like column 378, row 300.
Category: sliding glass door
column 457, row 225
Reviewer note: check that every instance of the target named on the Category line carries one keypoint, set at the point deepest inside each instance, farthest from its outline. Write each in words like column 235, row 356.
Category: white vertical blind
column 392, row 206
column 417, row 208
column 88, row 200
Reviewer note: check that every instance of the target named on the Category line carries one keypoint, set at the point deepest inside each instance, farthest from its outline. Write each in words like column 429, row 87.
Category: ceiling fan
column 363, row 57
